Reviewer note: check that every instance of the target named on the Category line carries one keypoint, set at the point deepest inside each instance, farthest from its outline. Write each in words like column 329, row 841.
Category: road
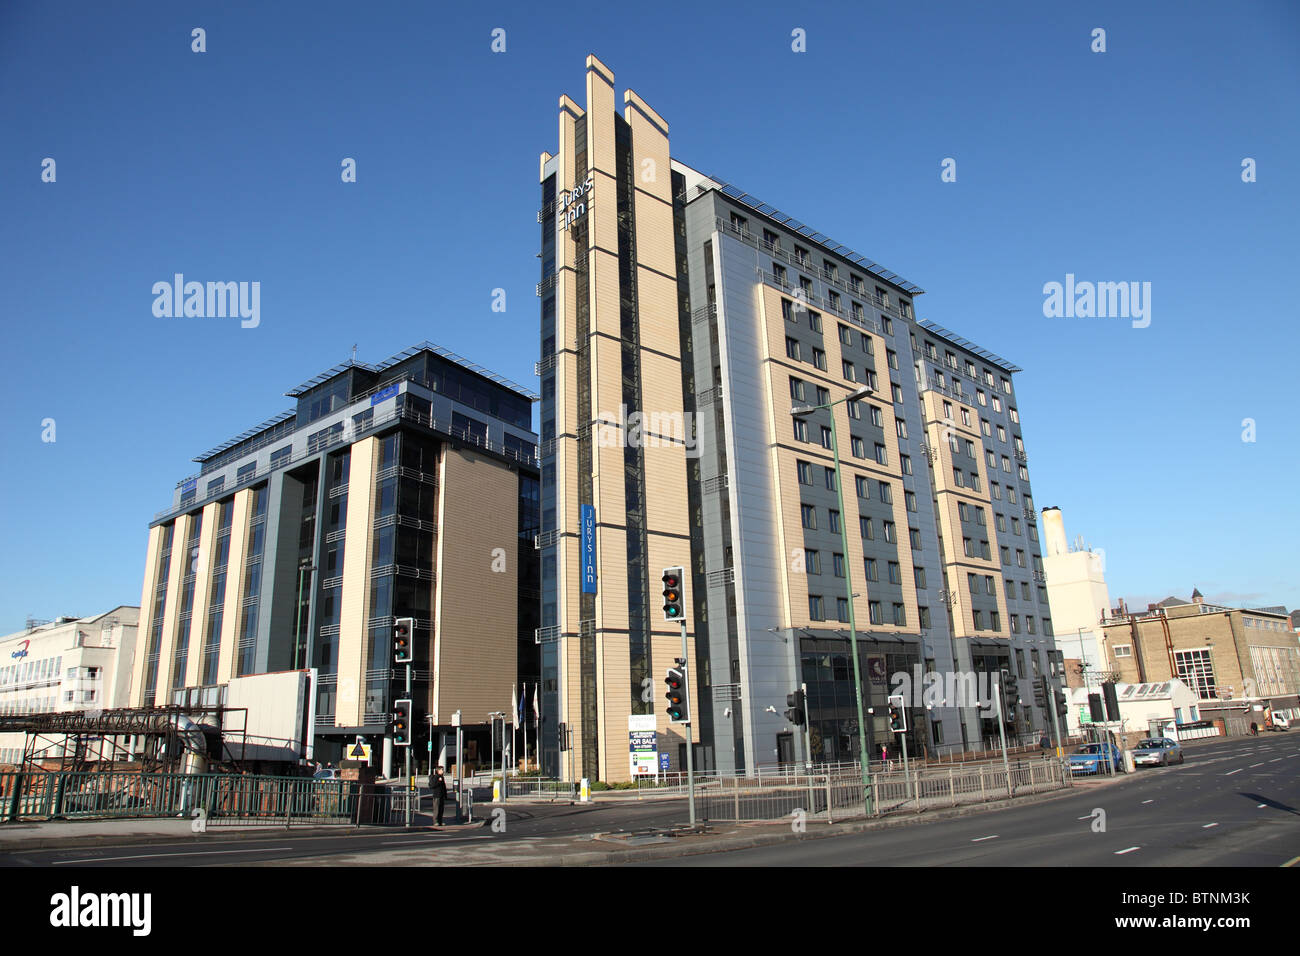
column 1234, row 803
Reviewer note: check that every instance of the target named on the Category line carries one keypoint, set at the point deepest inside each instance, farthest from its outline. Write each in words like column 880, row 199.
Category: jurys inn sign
column 573, row 204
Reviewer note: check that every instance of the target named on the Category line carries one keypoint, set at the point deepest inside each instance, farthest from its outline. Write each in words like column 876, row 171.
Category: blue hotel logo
column 588, row 515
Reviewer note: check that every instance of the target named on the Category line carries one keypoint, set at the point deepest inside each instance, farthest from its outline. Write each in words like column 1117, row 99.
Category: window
column 1011, row 589
column 1196, row 670
column 997, row 491
column 1015, row 415
column 856, row 309
column 812, row 561
column 835, row 520
column 900, row 615
column 1006, row 557
column 886, row 492
column 801, row 255
column 841, row 609
column 995, row 621
column 846, row 335
column 833, row 300
column 809, row 516
column 997, row 404
column 792, row 348
column 888, row 528
column 787, row 310
column 992, row 460
column 958, row 478
column 819, row 359
column 815, row 323
column 830, row 479
column 247, row 471
column 815, row 607
column 866, row 344
column 988, row 584
column 826, row 437
column 739, row 223
column 900, row 426
column 1000, row 521
column 837, row 562
column 1006, row 385
column 778, row 273
column 909, row 500
column 1123, row 650
column 984, row 427
column 895, row 573
column 805, row 472
column 963, row 511
column 979, row 620
column 925, row 616
column 800, row 429
column 823, row 395
column 1015, row 526
column 1029, row 624
column 872, row 574
column 877, row 417
column 867, row 528
column 1002, row 434
column 887, row 324
column 1024, row 592
column 796, row 389
column 848, row 370
column 1020, row 558
column 906, row 462
column 881, row 457
column 970, row 448
column 771, row 240
column 857, row 446
column 864, row 486
column 873, row 608
column 968, row 547
column 894, row 390
column 1006, row 464
column 979, row 516
column 892, row 357
column 915, row 537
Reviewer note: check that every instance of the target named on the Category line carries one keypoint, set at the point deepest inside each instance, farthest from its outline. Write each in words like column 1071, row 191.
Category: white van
column 1279, row 723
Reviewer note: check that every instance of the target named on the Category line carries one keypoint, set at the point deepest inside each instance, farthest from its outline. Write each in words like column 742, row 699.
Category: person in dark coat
column 439, row 787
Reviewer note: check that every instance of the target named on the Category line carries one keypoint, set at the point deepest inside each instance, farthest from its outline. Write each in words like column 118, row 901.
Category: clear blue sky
column 1123, row 165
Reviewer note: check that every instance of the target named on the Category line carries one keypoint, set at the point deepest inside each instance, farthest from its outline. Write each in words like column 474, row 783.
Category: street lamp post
column 800, row 411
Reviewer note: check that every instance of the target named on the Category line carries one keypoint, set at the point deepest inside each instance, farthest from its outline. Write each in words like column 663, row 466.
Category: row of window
column 875, row 611
column 950, row 360
column 980, row 397
column 32, row 671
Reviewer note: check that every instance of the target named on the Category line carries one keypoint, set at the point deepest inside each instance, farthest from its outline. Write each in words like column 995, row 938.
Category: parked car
column 1158, row 751
column 1092, row 758
column 1278, row 722
column 326, row 773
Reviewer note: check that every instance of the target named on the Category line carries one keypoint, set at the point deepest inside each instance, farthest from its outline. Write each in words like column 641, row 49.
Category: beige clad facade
column 600, row 684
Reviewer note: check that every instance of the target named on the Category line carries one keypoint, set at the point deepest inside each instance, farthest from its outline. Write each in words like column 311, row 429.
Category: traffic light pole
column 410, row 781
column 1002, row 734
column 690, row 747
column 807, row 729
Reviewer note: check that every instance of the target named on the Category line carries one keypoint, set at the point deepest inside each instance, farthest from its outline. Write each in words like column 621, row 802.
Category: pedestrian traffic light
column 674, row 605
column 675, row 680
column 897, row 715
column 564, row 738
column 400, row 728
column 402, row 628
column 795, row 712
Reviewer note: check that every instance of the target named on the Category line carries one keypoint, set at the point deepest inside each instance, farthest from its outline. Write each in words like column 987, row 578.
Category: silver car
column 1158, row 752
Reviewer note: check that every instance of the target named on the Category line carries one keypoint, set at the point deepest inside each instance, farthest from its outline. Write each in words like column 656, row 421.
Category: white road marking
column 982, row 839
column 146, row 856
column 1231, row 772
column 1144, row 801
column 1261, row 806
column 1129, row 850
column 1275, row 760
column 1254, row 765
column 1208, row 825
column 1086, row 817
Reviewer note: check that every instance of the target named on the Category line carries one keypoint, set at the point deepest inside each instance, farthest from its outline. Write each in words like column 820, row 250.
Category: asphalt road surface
column 1235, row 803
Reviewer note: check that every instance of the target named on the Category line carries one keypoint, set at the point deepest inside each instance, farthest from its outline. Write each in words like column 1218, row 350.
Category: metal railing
column 219, row 799
column 839, row 796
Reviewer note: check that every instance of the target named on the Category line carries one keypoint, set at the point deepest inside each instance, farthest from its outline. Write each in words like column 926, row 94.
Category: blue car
column 1092, row 758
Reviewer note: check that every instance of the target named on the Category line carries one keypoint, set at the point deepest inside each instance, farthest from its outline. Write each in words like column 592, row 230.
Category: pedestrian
column 1044, row 744
column 1254, row 729
column 439, row 788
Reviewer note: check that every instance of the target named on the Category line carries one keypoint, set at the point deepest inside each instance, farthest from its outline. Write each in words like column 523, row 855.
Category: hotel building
column 403, row 489
column 681, row 319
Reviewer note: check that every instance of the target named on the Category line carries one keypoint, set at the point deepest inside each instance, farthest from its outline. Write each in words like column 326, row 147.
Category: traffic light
column 1040, row 692
column 1010, row 694
column 897, row 715
column 1095, row 710
column 795, row 713
column 402, row 628
column 564, row 738
column 1112, row 702
column 1062, row 705
column 400, row 728
column 675, row 680
column 674, row 605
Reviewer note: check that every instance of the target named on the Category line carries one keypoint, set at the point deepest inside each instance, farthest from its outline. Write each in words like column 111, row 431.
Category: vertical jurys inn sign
column 588, row 548
column 573, row 204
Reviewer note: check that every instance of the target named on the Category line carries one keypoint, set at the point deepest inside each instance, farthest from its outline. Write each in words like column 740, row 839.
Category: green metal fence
column 223, row 799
